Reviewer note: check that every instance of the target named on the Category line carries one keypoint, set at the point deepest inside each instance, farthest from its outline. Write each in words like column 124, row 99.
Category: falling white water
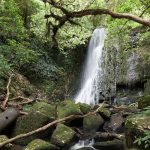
column 83, row 143
column 90, row 85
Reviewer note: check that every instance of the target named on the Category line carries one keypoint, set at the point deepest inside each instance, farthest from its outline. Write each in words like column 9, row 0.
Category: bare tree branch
column 8, row 91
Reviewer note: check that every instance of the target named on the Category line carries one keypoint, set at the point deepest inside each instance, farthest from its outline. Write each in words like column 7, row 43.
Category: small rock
column 39, row 144
column 92, row 122
column 62, row 135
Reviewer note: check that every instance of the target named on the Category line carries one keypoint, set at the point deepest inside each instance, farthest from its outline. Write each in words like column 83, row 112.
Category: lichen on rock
column 62, row 135
column 39, row 144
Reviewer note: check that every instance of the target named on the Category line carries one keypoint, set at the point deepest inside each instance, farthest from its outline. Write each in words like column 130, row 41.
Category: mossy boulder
column 62, row 136
column 30, row 122
column 85, row 108
column 92, row 122
column 47, row 109
column 4, row 138
column 144, row 102
column 136, row 127
column 39, row 144
column 112, row 145
column 104, row 112
column 66, row 108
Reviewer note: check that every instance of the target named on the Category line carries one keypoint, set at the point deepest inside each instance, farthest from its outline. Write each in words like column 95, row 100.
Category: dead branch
column 106, row 135
column 8, row 91
column 28, row 100
column 20, row 97
column 49, row 125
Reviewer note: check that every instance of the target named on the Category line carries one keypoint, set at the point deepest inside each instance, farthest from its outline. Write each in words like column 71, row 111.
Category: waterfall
column 89, row 92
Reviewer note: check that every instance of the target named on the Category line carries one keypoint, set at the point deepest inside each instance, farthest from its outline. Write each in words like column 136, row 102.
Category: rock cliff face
column 125, row 69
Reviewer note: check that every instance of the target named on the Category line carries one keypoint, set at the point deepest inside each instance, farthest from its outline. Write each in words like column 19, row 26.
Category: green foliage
column 4, row 66
column 17, row 53
column 11, row 25
column 143, row 140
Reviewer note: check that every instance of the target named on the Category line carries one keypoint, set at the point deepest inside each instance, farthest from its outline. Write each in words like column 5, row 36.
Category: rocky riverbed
column 110, row 128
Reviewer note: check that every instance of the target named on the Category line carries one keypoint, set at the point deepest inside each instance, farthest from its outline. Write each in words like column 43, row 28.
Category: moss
column 39, row 144
column 4, row 138
column 92, row 122
column 136, row 126
column 63, row 135
column 67, row 108
column 144, row 102
column 85, row 108
column 45, row 108
column 104, row 112
column 29, row 123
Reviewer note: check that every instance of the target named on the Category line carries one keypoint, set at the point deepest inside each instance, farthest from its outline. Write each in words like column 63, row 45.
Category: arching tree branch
column 87, row 12
column 68, row 16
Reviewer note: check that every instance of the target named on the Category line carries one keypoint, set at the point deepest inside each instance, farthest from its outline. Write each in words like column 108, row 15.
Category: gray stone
column 115, row 124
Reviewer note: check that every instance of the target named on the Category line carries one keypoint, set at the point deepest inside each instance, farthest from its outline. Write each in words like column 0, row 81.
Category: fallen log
column 7, row 117
column 104, row 136
column 49, row 125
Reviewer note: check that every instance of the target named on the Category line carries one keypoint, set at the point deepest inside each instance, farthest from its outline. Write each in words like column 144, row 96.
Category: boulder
column 144, row 102
column 62, row 135
column 92, row 122
column 39, row 144
column 47, row 109
column 30, row 122
column 66, row 108
column 110, row 145
column 115, row 124
column 137, row 126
